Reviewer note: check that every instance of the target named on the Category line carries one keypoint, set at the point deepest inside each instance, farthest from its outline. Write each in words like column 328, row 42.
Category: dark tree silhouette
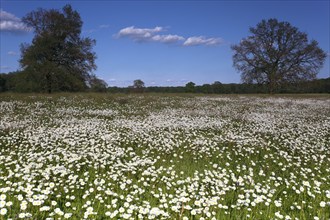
column 277, row 53
column 138, row 85
column 58, row 54
column 97, row 85
column 190, row 87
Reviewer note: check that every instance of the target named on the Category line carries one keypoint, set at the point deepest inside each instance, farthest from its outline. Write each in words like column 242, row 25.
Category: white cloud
column 8, row 16
column 132, row 31
column 148, row 35
column 167, row 38
column 152, row 35
column 139, row 34
column 11, row 23
column 201, row 40
column 12, row 53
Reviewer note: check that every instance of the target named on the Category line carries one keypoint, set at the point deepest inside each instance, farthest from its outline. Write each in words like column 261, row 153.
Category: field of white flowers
column 88, row 156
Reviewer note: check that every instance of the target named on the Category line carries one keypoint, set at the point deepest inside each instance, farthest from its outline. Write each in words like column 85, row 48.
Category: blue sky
column 167, row 43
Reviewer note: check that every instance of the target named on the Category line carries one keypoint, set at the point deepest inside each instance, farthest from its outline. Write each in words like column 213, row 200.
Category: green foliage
column 138, row 86
column 58, row 58
column 277, row 53
column 3, row 81
column 314, row 86
column 190, row 87
column 98, row 85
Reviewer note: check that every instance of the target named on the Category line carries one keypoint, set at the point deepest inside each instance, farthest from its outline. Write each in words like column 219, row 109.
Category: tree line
column 312, row 86
column 9, row 82
column 276, row 57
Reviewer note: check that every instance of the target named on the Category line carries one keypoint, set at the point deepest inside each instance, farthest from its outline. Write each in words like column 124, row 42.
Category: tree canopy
column 58, row 57
column 190, row 87
column 138, row 86
column 277, row 53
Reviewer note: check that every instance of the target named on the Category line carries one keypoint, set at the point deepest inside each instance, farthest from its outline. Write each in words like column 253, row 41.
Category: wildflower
column 36, row 203
column 67, row 215
column 3, row 211
column 278, row 215
column 3, row 197
column 23, row 206
column 278, row 203
column 20, row 197
column 58, row 211
column 45, row 208
column 21, row 215
column 322, row 204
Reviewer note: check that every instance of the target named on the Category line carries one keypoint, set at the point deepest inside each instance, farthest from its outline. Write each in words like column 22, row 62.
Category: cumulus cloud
column 167, row 38
column 153, row 35
column 148, row 35
column 201, row 40
column 12, row 24
column 139, row 34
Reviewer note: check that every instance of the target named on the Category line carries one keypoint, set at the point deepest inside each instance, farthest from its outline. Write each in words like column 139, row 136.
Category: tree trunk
column 271, row 88
column 49, row 83
column 271, row 83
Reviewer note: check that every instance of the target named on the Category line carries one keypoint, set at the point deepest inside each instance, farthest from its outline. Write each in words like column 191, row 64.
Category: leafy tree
column 206, row 88
column 190, row 87
column 275, row 53
column 98, row 85
column 3, row 82
column 138, row 85
column 217, row 87
column 58, row 56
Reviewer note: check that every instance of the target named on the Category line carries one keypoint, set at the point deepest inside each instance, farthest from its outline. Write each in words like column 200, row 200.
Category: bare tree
column 277, row 52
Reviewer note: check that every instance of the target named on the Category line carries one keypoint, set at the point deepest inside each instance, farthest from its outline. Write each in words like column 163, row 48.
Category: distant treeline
column 27, row 81
column 16, row 82
column 315, row 86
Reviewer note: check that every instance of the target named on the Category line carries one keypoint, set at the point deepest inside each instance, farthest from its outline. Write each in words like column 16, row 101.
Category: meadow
column 149, row 156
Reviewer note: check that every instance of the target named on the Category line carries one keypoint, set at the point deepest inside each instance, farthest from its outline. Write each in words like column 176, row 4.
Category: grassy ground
column 164, row 156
